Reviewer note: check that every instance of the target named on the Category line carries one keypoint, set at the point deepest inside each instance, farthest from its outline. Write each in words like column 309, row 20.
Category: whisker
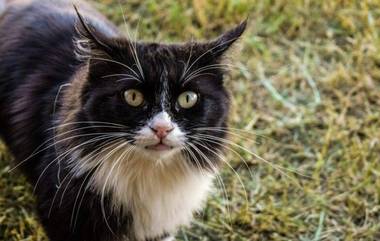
column 93, row 153
column 188, row 60
column 234, row 152
column 36, row 151
column 94, row 167
column 199, row 75
column 129, row 77
column 57, row 96
column 104, row 187
column 64, row 154
column 231, row 129
column 86, row 122
column 219, row 178
column 119, row 63
column 121, row 145
column 205, row 68
column 133, row 45
column 221, row 157
column 65, row 133
column 202, row 55
column 278, row 168
column 123, row 79
column 195, row 159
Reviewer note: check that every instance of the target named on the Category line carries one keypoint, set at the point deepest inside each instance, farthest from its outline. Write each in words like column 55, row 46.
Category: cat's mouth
column 159, row 147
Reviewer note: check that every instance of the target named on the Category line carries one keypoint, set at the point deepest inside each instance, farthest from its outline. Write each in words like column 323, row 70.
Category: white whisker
column 278, row 168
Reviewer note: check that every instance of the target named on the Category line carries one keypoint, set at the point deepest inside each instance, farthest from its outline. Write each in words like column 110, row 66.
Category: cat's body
column 36, row 60
column 55, row 109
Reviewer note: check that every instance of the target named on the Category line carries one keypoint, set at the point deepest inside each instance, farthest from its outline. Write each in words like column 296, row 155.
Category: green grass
column 307, row 77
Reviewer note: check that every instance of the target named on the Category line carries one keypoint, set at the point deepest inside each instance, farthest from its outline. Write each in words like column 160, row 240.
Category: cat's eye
column 187, row 99
column 133, row 97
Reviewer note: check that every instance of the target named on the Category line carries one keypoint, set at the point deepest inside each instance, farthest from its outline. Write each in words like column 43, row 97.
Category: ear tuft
column 225, row 41
column 90, row 42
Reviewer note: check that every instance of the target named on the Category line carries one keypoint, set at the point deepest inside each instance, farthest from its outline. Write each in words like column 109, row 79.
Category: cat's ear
column 91, row 41
column 221, row 44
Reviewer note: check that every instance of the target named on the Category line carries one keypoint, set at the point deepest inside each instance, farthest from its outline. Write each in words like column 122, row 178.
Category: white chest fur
column 160, row 195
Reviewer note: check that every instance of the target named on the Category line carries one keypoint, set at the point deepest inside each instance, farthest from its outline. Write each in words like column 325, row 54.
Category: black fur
column 39, row 62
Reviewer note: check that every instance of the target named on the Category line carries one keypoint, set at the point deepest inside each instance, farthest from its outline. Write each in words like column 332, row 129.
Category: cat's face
column 166, row 99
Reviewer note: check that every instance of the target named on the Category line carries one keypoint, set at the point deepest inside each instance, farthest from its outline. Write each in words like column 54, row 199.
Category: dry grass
column 307, row 77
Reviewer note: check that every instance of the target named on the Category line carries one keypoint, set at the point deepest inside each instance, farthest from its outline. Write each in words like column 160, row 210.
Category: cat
column 121, row 139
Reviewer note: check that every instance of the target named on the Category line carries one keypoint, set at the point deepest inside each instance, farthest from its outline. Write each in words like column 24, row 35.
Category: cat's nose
column 161, row 131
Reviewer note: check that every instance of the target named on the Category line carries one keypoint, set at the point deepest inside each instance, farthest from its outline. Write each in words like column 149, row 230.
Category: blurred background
column 305, row 81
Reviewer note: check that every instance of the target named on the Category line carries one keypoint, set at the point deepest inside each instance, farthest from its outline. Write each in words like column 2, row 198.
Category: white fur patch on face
column 146, row 137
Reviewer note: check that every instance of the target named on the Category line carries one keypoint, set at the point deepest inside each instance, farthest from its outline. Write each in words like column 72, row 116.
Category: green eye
column 133, row 97
column 187, row 99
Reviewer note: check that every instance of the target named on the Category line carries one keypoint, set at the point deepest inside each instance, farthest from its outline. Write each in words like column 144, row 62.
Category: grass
column 307, row 78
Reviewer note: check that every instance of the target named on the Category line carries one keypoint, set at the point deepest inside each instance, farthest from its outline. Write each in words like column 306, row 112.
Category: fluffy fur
column 100, row 169
column 157, row 198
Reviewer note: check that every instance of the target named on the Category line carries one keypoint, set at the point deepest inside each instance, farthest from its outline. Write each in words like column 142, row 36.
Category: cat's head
column 161, row 99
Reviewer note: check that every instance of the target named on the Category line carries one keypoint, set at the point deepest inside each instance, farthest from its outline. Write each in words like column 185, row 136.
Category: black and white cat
column 120, row 138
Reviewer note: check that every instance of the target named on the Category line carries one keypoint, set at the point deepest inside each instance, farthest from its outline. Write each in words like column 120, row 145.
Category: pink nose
column 161, row 131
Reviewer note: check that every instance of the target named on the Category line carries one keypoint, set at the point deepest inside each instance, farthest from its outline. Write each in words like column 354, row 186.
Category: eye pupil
column 187, row 99
column 133, row 97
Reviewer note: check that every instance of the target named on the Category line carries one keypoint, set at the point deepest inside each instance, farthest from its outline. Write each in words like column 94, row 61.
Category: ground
column 305, row 81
